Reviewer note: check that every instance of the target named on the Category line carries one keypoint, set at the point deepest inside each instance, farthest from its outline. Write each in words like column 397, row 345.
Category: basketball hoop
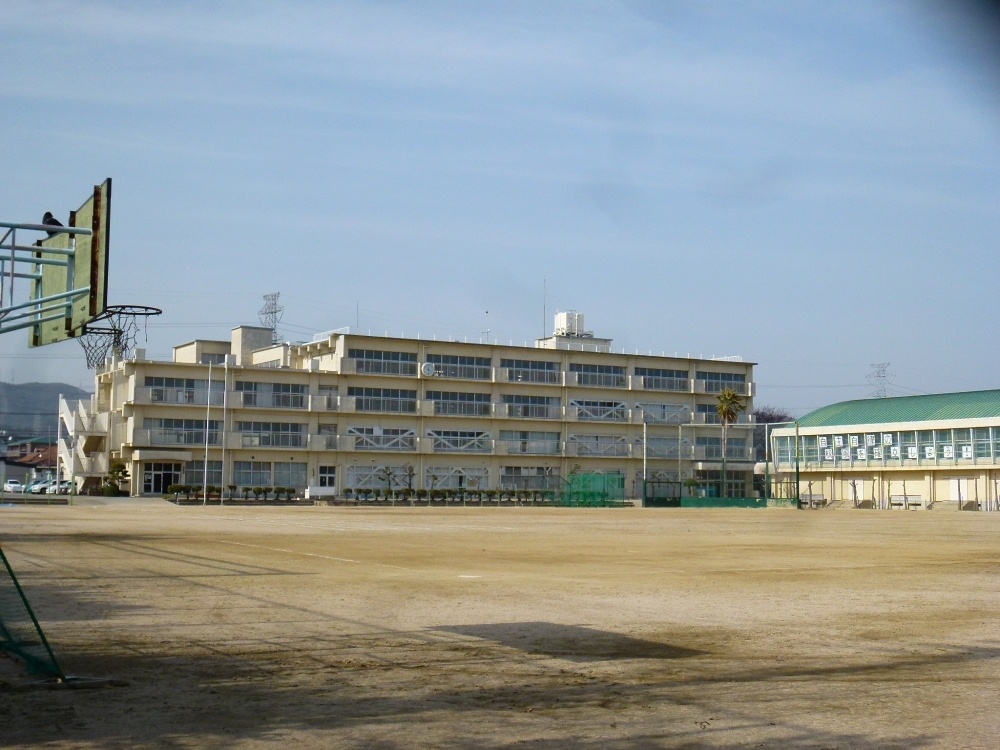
column 114, row 332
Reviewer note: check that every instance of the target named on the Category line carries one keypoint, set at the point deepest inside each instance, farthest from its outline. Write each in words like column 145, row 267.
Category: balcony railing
column 272, row 400
column 517, row 375
column 599, row 379
column 463, row 372
column 385, row 442
column 601, row 413
column 716, row 386
column 154, row 436
column 462, row 408
column 656, row 383
column 530, row 447
column 324, row 402
column 323, row 442
column 272, row 440
column 189, row 396
column 384, row 367
column 461, row 444
column 714, row 453
column 597, row 448
column 532, row 411
column 385, row 405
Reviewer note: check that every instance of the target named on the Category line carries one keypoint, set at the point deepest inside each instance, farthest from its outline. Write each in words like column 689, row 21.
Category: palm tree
column 728, row 407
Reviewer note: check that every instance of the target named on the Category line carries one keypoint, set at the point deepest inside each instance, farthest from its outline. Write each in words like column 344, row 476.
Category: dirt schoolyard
column 496, row 627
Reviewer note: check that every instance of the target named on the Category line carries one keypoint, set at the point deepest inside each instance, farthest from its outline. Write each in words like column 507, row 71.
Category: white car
column 59, row 488
column 40, row 488
column 13, row 485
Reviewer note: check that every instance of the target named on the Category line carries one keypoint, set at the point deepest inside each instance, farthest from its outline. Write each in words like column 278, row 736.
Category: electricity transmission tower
column 878, row 378
column 270, row 314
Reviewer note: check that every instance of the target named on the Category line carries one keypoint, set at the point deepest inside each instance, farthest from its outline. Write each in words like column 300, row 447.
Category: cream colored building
column 361, row 411
column 903, row 452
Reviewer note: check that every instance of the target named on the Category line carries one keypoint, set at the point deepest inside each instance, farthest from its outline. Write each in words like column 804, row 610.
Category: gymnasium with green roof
column 906, row 452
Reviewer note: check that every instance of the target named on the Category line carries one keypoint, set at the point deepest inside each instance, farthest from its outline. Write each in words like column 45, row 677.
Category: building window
column 383, row 399
column 213, row 359
column 658, row 447
column 659, row 379
column 271, row 434
column 183, row 391
column 716, row 382
column 290, row 474
column 530, row 371
column 165, row 431
column 460, row 404
column 599, row 376
column 532, row 407
column 456, row 366
column 252, row 473
column 529, row 478
column 194, row 473
column 377, row 362
column 472, row 478
column 736, row 448
column 708, row 413
column 272, row 395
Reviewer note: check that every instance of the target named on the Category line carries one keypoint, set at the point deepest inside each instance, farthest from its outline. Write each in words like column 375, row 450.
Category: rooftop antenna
column 270, row 314
column 879, row 377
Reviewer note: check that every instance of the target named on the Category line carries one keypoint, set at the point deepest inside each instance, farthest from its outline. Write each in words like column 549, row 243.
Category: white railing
column 255, row 399
column 463, row 372
column 656, row 383
column 529, row 447
column 272, row 440
column 155, row 436
column 597, row 380
column 616, row 449
column 323, row 442
column 181, row 396
column 461, row 408
column 461, row 444
column 385, row 442
column 517, row 375
column 324, row 402
column 532, row 411
column 584, row 413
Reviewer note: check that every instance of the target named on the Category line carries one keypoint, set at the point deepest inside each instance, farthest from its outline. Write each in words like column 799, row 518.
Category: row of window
column 912, row 445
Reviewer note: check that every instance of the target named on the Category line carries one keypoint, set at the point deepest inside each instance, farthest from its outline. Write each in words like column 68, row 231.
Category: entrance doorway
column 157, row 477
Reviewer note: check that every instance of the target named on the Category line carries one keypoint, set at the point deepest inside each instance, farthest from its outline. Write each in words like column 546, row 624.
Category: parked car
column 40, row 488
column 59, row 488
column 13, row 485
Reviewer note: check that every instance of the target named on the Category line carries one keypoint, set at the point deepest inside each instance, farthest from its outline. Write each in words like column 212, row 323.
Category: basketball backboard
column 60, row 272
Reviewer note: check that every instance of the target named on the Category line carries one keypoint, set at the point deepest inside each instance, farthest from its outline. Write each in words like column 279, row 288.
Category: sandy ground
column 486, row 628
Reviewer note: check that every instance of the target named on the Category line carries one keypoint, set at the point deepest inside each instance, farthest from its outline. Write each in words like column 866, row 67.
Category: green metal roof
column 937, row 406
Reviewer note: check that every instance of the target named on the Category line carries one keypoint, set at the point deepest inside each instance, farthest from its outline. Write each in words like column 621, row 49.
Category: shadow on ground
column 573, row 642
column 431, row 696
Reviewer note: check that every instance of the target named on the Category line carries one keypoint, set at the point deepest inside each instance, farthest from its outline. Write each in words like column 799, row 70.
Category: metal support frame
column 43, row 309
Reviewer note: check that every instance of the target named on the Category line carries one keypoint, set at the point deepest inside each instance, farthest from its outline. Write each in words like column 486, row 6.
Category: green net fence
column 592, row 490
column 20, row 633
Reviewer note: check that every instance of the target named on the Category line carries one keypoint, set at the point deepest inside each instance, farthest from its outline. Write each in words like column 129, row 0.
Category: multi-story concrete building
column 361, row 411
column 902, row 452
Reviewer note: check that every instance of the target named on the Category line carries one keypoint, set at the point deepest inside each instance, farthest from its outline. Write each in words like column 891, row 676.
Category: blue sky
column 813, row 186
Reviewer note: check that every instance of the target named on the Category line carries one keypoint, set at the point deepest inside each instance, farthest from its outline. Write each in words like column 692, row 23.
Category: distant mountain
column 31, row 409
